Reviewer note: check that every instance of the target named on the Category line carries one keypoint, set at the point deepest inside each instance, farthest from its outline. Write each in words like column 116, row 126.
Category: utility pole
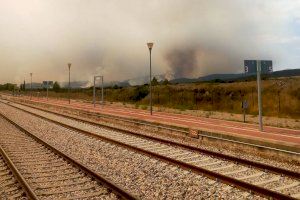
column 69, row 66
column 30, row 86
column 94, row 92
column 24, row 88
column 47, row 89
column 259, row 95
column 102, row 91
column 150, row 46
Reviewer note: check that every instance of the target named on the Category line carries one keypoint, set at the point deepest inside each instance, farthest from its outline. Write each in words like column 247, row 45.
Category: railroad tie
column 48, row 175
column 58, row 179
column 180, row 154
column 11, row 189
column 297, row 196
column 236, row 171
column 17, row 195
column 191, row 157
column 67, row 168
column 87, row 196
column 5, row 178
column 294, row 184
column 209, row 164
column 277, row 178
column 161, row 149
column 3, row 168
column 70, row 190
column 55, row 185
column 251, row 176
column 8, row 183
column 5, row 173
column 223, row 167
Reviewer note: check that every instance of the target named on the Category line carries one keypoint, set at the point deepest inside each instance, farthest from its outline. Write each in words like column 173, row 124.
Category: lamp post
column 69, row 66
column 150, row 45
column 47, row 89
column 30, row 86
column 94, row 90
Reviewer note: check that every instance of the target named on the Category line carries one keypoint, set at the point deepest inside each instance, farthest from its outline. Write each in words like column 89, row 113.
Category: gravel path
column 143, row 176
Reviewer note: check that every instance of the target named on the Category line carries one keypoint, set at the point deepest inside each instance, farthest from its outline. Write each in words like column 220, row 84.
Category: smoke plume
column 191, row 38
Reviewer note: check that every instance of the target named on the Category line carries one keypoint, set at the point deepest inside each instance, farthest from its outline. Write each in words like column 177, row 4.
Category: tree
column 139, row 93
column 56, row 86
column 115, row 86
column 166, row 82
column 154, row 81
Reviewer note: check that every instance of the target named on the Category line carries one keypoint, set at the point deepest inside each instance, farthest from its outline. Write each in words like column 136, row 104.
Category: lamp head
column 150, row 45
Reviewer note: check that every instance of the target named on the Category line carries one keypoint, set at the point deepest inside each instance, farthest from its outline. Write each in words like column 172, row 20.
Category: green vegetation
column 216, row 96
column 8, row 86
column 282, row 101
column 56, row 87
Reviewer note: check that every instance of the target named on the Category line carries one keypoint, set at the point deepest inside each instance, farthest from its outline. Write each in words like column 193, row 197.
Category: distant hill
column 233, row 77
column 287, row 72
column 211, row 77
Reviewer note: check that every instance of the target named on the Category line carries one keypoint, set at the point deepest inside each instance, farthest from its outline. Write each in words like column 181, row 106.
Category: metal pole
column 69, row 86
column 30, row 86
column 94, row 92
column 259, row 95
column 150, row 84
column 69, row 65
column 102, row 94
column 47, row 89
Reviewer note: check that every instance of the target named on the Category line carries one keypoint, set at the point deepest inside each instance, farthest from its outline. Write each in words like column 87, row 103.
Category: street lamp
column 69, row 66
column 150, row 45
column 94, row 90
column 30, row 86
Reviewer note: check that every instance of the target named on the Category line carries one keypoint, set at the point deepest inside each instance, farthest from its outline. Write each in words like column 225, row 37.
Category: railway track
column 12, row 185
column 261, row 179
column 49, row 173
column 179, row 131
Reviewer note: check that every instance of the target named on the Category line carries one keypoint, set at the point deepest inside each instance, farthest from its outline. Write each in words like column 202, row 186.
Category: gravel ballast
column 243, row 173
column 48, row 174
column 143, row 176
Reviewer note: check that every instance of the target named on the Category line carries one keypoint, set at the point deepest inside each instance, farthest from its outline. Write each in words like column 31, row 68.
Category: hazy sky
column 191, row 37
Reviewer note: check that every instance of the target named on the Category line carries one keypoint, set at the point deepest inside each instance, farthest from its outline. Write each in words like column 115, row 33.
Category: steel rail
column 28, row 190
column 179, row 130
column 258, row 165
column 116, row 189
column 199, row 170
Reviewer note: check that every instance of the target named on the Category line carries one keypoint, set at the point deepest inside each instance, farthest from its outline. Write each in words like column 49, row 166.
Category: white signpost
column 47, row 84
column 251, row 66
column 94, row 90
column 259, row 95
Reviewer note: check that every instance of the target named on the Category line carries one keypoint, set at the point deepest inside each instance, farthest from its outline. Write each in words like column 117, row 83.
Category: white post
column 47, row 89
column 102, row 94
column 30, row 86
column 259, row 95
column 94, row 92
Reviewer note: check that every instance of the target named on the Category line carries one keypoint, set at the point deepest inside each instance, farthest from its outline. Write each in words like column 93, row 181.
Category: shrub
column 139, row 93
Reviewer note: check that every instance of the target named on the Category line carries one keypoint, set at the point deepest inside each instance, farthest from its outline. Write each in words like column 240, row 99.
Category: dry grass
column 217, row 100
